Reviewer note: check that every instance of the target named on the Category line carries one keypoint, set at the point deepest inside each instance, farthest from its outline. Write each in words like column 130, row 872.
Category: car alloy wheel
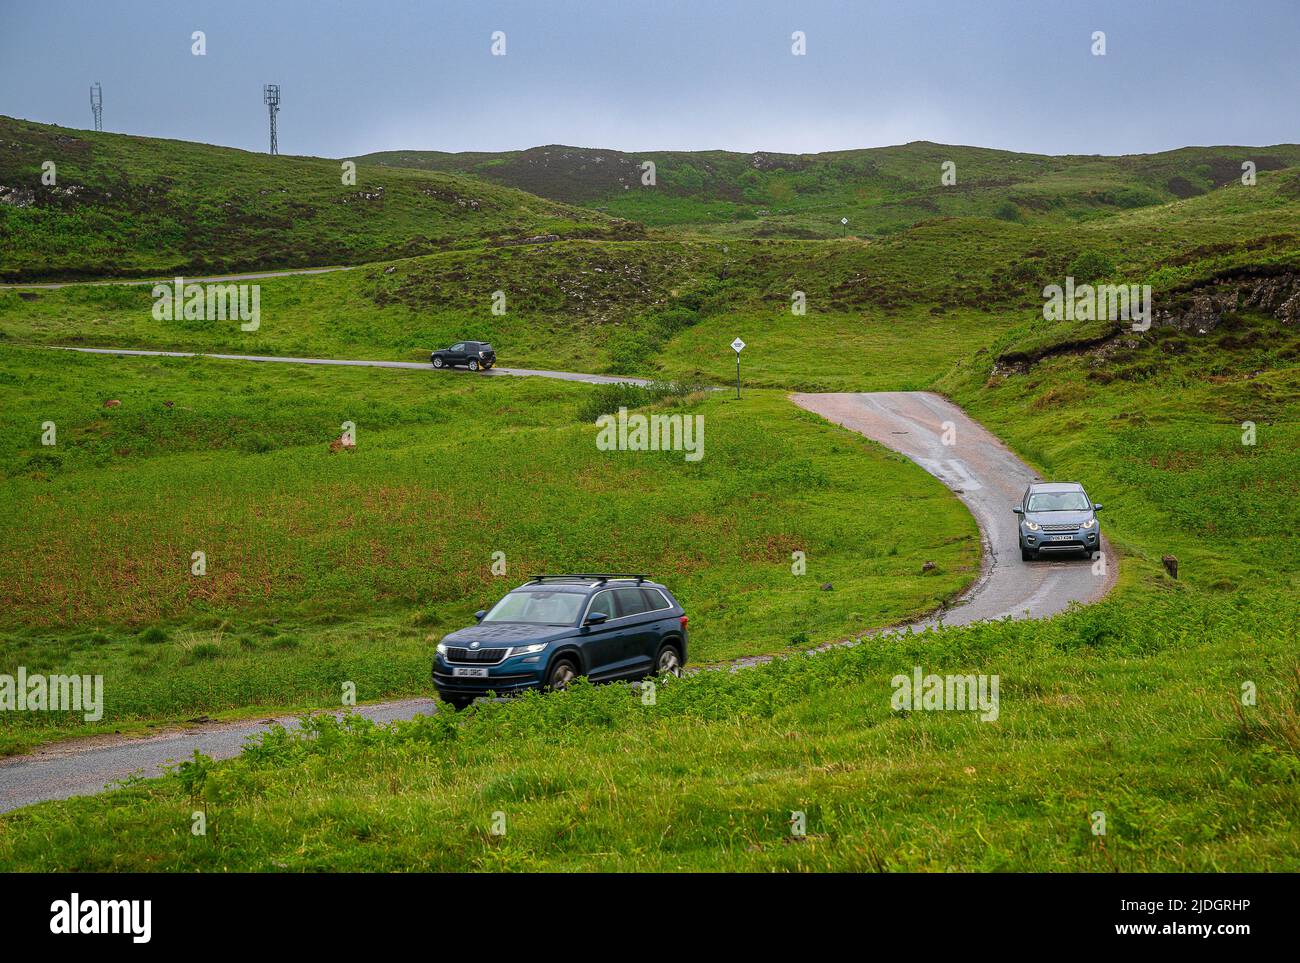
column 473, row 365
column 562, row 675
column 669, row 662
column 437, row 362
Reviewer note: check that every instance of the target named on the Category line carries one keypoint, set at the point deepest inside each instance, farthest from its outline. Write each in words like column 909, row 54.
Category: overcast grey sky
column 664, row 74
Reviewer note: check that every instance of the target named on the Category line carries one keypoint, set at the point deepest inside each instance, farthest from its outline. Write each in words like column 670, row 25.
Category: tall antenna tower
column 271, row 97
column 97, row 104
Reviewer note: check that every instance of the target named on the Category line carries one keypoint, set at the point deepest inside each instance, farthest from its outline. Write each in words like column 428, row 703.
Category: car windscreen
column 538, row 607
column 1058, row 502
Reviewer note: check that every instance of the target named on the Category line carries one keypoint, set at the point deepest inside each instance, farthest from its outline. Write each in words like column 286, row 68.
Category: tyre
column 1026, row 555
column 669, row 660
column 438, row 362
column 473, row 365
column 563, row 672
column 458, row 702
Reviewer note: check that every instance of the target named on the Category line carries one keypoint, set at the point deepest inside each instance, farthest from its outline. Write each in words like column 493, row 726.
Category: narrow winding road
column 989, row 479
column 593, row 379
column 983, row 472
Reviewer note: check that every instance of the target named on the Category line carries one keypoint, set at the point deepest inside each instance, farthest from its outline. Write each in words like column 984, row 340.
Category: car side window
column 603, row 602
column 630, row 601
column 655, row 600
column 458, row 347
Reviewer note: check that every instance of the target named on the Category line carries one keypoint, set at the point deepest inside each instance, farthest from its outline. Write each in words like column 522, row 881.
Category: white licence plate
column 1061, row 538
column 472, row 672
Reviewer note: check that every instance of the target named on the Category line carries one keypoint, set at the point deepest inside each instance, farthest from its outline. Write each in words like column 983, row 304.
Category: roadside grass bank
column 1135, row 708
column 323, row 566
column 1124, row 709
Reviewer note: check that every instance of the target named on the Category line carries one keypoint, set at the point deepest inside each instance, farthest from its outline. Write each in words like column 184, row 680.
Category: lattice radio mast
column 97, row 104
column 271, row 97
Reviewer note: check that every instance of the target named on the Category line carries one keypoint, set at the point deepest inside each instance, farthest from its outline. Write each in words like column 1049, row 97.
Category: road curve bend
column 985, row 475
column 989, row 479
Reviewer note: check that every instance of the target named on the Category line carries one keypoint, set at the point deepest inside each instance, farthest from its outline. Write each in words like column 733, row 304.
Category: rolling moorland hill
column 894, row 312
column 124, row 206
column 880, row 190
column 323, row 565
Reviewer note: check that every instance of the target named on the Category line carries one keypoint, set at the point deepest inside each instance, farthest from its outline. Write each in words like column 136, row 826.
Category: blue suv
column 1057, row 517
column 554, row 628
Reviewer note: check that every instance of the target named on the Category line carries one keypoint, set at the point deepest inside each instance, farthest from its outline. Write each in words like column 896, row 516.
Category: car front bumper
column 1081, row 540
column 502, row 678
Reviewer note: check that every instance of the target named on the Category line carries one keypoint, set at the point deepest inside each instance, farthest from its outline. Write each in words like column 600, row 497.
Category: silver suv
column 1057, row 517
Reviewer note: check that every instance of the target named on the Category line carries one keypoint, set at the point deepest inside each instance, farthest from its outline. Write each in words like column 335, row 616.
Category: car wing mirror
column 1096, row 506
column 480, row 615
column 1018, row 510
column 595, row 618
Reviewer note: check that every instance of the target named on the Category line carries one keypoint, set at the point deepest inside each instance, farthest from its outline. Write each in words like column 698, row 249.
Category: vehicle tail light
column 683, row 620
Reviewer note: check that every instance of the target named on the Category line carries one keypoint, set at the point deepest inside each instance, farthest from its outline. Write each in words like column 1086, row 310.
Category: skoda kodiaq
column 554, row 628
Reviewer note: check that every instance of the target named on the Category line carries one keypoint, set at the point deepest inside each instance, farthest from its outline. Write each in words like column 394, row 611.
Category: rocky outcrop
column 1196, row 308
column 1200, row 307
column 17, row 196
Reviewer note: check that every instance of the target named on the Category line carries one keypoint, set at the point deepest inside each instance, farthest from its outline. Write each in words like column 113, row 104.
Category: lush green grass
column 1099, row 713
column 140, row 207
column 1157, row 429
column 880, row 190
column 1130, row 707
column 632, row 308
column 893, row 313
column 324, row 567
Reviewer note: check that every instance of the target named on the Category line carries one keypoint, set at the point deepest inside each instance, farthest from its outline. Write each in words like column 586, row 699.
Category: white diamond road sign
column 737, row 346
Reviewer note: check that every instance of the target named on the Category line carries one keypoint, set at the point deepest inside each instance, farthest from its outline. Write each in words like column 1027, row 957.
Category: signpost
column 737, row 346
column 844, row 226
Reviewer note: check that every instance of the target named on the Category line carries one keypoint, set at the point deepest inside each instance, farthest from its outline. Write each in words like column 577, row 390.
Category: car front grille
column 1060, row 528
column 478, row 656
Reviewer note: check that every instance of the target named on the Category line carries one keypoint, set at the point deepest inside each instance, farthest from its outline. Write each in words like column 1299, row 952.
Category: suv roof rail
column 598, row 576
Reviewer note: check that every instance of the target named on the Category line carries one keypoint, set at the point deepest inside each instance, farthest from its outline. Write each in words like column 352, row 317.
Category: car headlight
column 1032, row 526
column 442, row 649
column 525, row 649
column 1090, row 523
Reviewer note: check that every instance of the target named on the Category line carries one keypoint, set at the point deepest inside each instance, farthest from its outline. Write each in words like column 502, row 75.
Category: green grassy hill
column 127, row 206
column 896, row 312
column 880, row 190
column 324, row 567
column 1131, row 707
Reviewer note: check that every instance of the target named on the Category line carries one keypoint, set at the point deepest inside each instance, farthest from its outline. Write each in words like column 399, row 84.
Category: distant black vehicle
column 472, row 354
